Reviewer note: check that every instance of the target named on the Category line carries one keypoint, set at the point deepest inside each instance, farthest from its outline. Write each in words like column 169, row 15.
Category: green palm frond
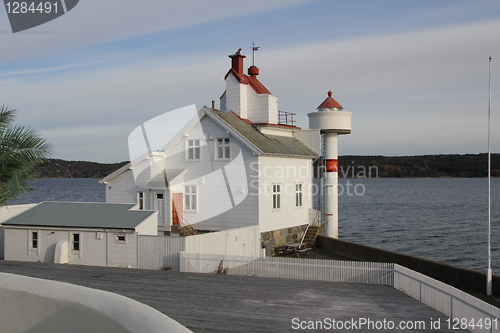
column 7, row 116
column 21, row 149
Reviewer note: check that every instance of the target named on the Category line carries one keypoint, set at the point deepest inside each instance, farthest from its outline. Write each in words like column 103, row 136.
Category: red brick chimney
column 237, row 62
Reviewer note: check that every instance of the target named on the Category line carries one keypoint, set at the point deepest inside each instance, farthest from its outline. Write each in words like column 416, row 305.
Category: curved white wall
column 36, row 305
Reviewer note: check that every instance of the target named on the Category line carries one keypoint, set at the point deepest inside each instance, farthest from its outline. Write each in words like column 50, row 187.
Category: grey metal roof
column 80, row 215
column 268, row 144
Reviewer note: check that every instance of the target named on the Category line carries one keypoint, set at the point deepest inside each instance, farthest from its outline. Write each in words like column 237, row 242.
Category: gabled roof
column 81, row 215
column 252, row 81
column 257, row 86
column 265, row 143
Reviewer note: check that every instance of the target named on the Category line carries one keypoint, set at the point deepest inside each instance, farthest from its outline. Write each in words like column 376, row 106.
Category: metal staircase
column 311, row 235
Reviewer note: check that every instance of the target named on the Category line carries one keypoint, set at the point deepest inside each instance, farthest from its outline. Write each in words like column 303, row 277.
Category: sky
column 413, row 73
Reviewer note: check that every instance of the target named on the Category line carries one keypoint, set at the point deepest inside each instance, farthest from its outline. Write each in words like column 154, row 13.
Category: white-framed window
column 121, row 238
column 191, row 198
column 140, row 200
column 76, row 240
column 34, row 240
column 193, row 150
column 159, row 206
column 276, row 196
column 223, row 150
column 298, row 194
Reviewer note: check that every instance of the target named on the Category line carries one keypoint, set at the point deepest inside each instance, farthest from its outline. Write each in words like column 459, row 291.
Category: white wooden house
column 96, row 234
column 241, row 165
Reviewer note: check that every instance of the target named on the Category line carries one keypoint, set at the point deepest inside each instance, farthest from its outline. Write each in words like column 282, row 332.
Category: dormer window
column 223, row 150
column 193, row 150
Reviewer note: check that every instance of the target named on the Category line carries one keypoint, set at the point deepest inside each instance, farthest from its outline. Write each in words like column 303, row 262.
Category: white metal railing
column 291, row 268
column 465, row 311
column 314, row 217
column 462, row 308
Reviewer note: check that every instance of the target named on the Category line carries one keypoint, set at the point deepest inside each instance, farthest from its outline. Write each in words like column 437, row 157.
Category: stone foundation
column 276, row 238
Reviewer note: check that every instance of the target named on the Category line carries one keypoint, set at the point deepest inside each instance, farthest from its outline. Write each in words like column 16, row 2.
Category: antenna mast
column 489, row 275
column 254, row 48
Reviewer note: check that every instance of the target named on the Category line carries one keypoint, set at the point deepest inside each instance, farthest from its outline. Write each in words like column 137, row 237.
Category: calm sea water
column 64, row 189
column 443, row 219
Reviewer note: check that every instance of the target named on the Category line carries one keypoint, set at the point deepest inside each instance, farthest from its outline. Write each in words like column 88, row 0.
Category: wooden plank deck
column 222, row 303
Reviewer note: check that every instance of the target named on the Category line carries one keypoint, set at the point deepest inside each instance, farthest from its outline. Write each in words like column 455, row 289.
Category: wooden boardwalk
column 222, row 303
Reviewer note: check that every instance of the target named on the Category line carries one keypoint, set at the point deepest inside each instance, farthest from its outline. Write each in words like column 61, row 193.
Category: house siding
column 148, row 226
column 231, row 193
column 17, row 246
column 122, row 254
column 123, row 189
column 264, row 108
column 275, row 170
column 215, row 207
column 236, row 96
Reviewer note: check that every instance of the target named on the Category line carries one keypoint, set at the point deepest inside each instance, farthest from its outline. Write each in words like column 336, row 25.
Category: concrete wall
column 461, row 278
column 42, row 306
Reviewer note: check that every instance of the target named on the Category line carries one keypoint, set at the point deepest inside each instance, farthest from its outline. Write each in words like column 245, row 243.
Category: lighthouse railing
column 286, row 118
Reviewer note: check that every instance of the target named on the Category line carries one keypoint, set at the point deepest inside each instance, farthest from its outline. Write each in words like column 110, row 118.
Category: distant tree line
column 56, row 168
column 469, row 165
column 350, row 166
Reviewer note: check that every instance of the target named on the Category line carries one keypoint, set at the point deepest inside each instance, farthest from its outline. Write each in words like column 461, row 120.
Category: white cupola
column 246, row 96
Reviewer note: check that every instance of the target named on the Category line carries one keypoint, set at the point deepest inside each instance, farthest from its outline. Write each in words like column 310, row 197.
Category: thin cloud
column 411, row 92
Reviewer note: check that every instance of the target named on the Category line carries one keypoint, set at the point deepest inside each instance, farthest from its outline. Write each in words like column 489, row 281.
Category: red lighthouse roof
column 330, row 102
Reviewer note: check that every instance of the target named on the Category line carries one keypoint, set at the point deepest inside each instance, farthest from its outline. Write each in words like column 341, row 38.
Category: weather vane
column 254, row 48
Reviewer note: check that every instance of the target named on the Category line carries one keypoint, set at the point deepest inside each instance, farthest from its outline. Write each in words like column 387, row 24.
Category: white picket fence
column 289, row 268
column 464, row 309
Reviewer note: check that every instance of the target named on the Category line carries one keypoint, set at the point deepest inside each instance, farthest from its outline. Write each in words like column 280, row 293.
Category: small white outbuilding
column 98, row 234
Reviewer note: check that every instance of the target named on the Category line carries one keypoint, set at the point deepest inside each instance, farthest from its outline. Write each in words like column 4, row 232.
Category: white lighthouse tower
column 332, row 121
